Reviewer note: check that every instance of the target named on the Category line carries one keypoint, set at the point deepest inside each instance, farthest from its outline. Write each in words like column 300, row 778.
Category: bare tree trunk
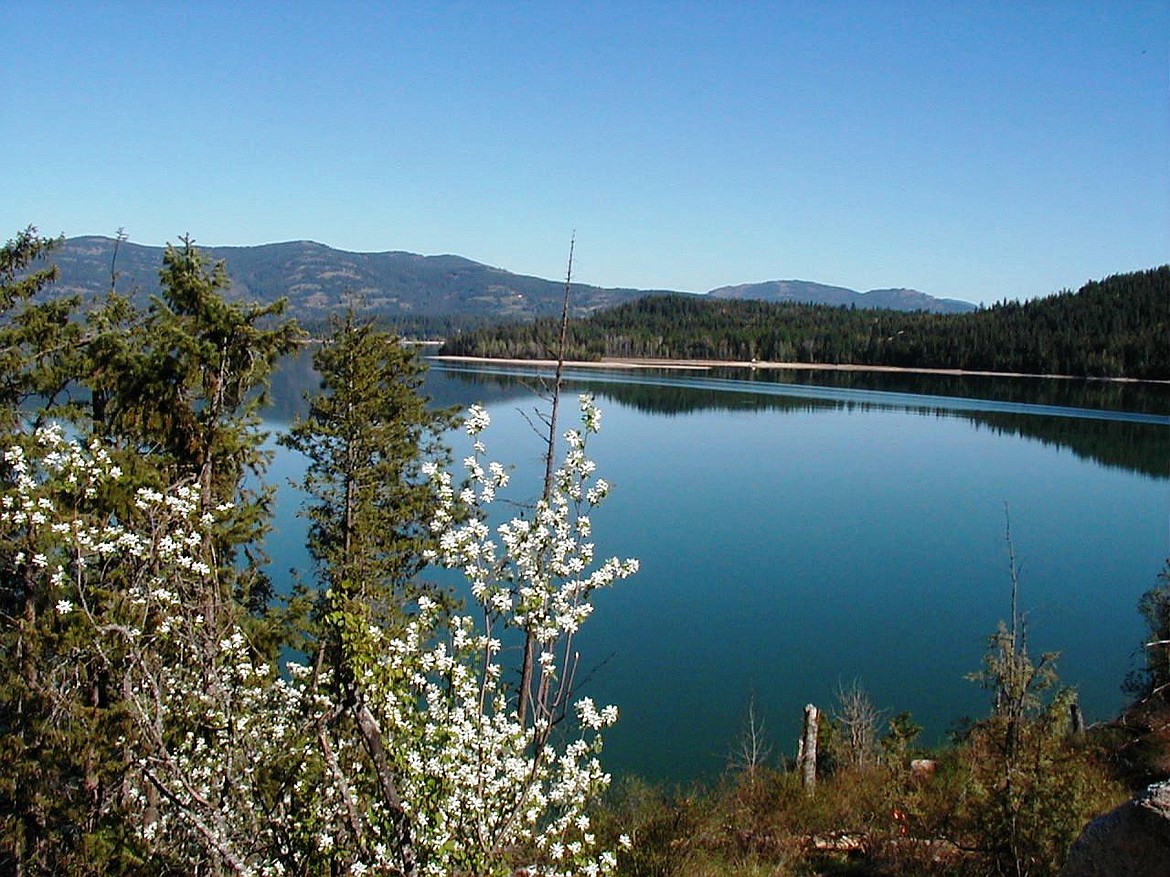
column 372, row 736
column 550, row 456
column 752, row 750
column 808, row 750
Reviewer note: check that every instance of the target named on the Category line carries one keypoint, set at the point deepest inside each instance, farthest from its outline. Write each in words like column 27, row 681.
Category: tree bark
column 808, row 750
column 372, row 737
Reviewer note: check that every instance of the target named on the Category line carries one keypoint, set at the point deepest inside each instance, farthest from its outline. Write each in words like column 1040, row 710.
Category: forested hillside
column 421, row 293
column 806, row 292
column 420, row 296
column 1116, row 327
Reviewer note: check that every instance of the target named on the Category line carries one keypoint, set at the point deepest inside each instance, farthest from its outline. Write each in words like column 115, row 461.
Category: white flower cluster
column 268, row 771
column 139, row 600
column 46, row 507
column 501, row 779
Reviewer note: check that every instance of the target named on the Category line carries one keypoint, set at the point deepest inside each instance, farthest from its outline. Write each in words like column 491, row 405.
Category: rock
column 922, row 769
column 1131, row 841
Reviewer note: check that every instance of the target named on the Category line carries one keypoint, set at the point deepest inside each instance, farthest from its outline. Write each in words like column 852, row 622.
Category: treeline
column 414, row 327
column 1116, row 327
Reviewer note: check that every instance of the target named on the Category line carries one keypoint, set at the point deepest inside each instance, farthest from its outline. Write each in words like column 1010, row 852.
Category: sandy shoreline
column 707, row 364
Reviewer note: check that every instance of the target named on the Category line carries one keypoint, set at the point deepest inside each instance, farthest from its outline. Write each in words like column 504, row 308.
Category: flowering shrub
column 503, row 783
column 407, row 754
column 136, row 614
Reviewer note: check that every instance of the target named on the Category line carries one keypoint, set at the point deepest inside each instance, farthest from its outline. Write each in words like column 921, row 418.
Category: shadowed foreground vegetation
column 972, row 811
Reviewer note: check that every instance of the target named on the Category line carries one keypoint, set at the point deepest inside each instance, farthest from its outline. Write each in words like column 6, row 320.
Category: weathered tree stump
column 808, row 750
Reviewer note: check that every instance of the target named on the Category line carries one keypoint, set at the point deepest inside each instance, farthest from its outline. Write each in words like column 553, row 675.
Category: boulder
column 1131, row 841
column 922, row 769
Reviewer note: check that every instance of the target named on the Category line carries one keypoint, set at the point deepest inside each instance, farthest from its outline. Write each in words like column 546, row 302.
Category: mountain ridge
column 810, row 292
column 318, row 279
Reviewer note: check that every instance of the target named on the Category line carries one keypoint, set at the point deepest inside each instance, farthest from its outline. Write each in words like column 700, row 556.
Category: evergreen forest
column 1118, row 327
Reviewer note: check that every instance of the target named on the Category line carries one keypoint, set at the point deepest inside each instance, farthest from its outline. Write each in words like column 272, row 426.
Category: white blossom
column 216, row 722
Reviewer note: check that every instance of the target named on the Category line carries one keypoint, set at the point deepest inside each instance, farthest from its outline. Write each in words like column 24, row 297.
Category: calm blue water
column 796, row 538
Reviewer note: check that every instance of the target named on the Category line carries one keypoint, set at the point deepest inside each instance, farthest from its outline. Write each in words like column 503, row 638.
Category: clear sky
column 973, row 150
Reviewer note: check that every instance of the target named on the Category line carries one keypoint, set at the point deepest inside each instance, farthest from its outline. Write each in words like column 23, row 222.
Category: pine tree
column 59, row 786
column 173, row 396
column 367, row 434
column 184, row 394
column 38, row 338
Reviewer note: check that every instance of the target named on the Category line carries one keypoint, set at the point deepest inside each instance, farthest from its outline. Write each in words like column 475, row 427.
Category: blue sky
column 970, row 150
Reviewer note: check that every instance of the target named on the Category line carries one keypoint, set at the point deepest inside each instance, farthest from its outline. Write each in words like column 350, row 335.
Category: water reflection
column 1144, row 398
column 1118, row 425
column 1135, row 441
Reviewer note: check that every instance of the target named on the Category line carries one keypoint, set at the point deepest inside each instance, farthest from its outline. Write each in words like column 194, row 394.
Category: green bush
column 1024, row 806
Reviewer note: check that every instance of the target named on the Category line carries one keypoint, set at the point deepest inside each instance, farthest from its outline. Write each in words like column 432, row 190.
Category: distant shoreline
column 705, row 364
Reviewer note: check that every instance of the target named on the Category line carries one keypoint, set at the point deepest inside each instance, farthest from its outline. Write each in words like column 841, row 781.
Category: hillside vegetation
column 1116, row 327
column 422, row 296
column 424, row 293
column 807, row 292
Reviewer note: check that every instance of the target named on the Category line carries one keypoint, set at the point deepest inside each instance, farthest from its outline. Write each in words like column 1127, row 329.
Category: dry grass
column 875, row 820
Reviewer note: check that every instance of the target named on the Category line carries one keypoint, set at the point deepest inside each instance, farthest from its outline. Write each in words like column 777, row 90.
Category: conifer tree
column 184, row 394
column 37, row 337
column 367, row 433
column 59, row 786
column 173, row 396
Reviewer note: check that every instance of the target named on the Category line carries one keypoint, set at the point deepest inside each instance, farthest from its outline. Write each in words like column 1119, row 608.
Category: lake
column 803, row 531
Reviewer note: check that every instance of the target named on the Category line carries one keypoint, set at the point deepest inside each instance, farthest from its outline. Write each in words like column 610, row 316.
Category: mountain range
column 898, row 299
column 317, row 279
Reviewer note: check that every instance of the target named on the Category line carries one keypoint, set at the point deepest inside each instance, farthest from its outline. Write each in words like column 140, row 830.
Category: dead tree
column 807, row 758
